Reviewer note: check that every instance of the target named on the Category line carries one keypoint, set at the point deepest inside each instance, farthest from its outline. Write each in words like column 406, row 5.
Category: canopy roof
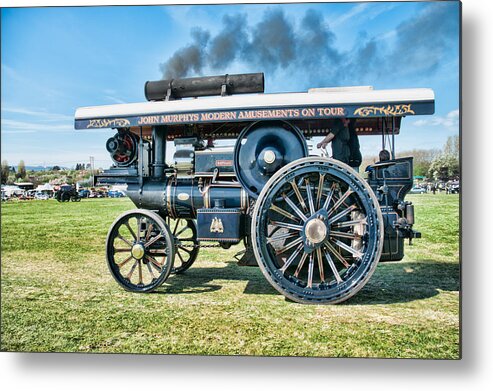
column 323, row 103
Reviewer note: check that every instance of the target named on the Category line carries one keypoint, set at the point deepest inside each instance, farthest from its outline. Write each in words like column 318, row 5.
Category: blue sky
column 57, row 59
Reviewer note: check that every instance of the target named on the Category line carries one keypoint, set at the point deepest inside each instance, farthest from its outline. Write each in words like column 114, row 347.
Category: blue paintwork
column 349, row 111
column 231, row 220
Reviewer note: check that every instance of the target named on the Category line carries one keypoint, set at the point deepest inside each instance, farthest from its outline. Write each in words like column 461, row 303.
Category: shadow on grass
column 204, row 279
column 396, row 282
column 393, row 282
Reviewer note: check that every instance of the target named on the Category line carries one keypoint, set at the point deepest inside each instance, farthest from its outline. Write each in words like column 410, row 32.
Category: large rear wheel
column 317, row 231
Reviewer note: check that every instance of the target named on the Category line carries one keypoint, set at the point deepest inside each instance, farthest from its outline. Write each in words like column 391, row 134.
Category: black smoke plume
column 307, row 50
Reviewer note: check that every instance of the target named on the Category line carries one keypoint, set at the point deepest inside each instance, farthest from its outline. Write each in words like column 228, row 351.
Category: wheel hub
column 269, row 156
column 138, row 251
column 315, row 231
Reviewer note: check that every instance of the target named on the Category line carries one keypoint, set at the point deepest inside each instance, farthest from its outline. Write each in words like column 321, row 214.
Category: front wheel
column 140, row 250
column 317, row 231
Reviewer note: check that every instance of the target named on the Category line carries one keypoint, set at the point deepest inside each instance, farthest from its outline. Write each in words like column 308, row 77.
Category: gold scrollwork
column 108, row 123
column 386, row 110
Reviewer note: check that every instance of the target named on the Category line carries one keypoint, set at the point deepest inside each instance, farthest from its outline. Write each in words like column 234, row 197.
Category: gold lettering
column 308, row 112
column 331, row 111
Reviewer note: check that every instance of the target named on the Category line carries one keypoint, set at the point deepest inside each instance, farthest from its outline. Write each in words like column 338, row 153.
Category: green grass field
column 57, row 295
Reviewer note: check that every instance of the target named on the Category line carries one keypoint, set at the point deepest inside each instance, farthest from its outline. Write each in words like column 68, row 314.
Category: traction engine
column 313, row 225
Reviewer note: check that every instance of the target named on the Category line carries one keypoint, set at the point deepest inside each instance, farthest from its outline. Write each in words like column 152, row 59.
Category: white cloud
column 14, row 126
column 356, row 10
column 114, row 99
column 449, row 121
column 364, row 11
column 38, row 120
column 40, row 114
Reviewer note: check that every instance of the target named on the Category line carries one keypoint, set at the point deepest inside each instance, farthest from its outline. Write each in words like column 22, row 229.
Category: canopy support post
column 393, row 138
column 141, row 161
column 384, row 123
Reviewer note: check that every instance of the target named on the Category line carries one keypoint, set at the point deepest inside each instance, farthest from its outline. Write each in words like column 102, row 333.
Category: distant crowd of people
column 449, row 187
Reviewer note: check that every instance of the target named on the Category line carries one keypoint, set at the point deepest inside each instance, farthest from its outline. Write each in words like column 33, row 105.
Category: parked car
column 25, row 197
column 84, row 193
column 41, row 196
column 98, row 194
column 417, row 190
column 115, row 194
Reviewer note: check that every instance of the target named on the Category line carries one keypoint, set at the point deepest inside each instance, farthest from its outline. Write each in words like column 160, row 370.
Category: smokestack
column 245, row 83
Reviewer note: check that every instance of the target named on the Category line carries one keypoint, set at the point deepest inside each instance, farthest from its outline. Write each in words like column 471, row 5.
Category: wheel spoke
column 123, row 239
column 310, row 271
column 124, row 262
column 130, row 230
column 346, row 224
column 291, row 258
column 340, row 201
column 185, row 249
column 300, row 265
column 155, row 263
column 281, row 237
column 139, row 263
column 294, row 207
column 332, row 267
column 336, row 254
column 176, row 227
column 355, row 253
column 321, row 180
column 157, row 251
column 281, row 224
column 181, row 231
column 320, row 264
column 122, row 250
column 129, row 275
column 346, row 235
column 276, row 209
column 342, row 214
column 329, row 196
column 290, row 245
column 181, row 258
column 149, row 230
column 148, row 264
column 298, row 195
column 309, row 196
column 139, row 228
column 153, row 240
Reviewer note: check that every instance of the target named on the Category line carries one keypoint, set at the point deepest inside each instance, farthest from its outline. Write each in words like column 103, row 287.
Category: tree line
column 434, row 164
column 9, row 174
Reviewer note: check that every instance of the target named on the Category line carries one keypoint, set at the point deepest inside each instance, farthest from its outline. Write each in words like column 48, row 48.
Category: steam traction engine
column 315, row 227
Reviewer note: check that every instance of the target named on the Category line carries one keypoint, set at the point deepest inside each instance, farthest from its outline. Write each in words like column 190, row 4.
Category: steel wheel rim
column 336, row 268
column 139, row 251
